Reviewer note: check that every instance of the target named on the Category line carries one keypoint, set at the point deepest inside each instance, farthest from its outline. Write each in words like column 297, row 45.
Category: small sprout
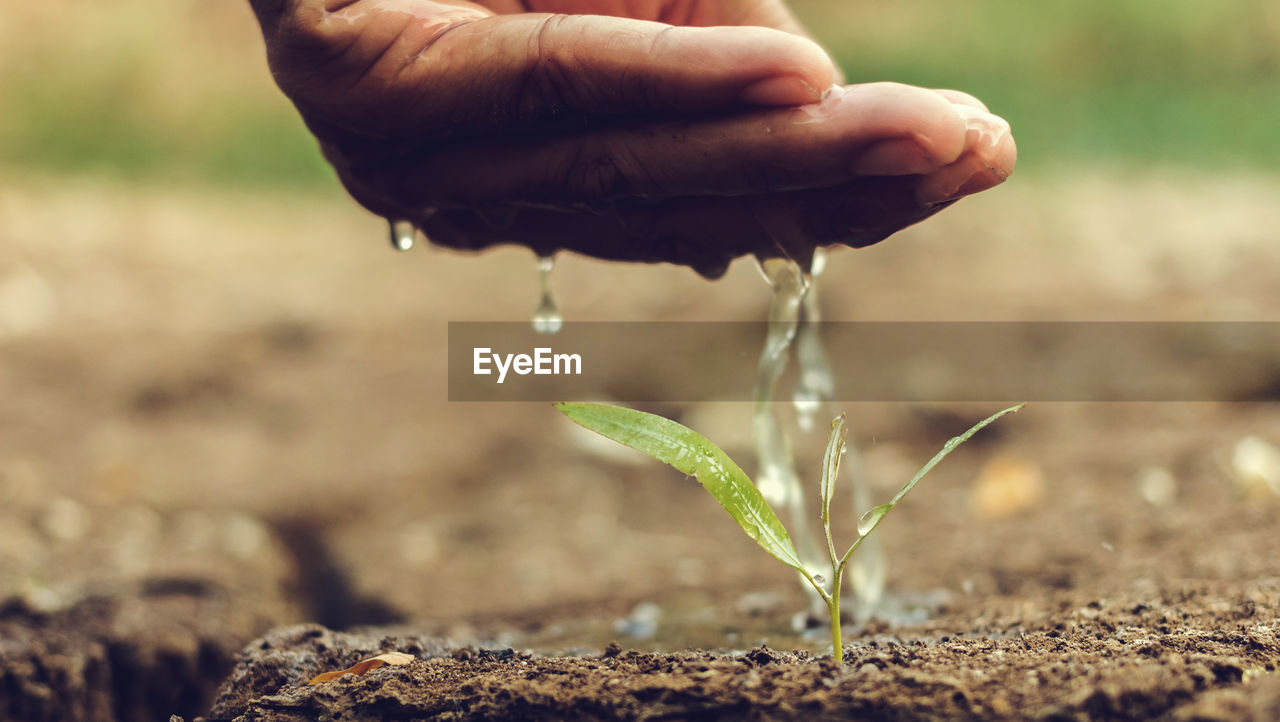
column 363, row 667
column 693, row 454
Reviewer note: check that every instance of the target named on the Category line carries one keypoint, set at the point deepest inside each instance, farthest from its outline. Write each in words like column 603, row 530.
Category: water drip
column 546, row 317
column 402, row 234
column 776, row 476
column 816, row 383
column 795, row 320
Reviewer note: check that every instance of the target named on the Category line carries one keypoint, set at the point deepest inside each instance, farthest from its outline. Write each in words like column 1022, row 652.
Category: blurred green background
column 179, row 89
column 1128, row 81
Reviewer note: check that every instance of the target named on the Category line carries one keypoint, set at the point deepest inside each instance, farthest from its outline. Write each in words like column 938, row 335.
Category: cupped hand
column 687, row 132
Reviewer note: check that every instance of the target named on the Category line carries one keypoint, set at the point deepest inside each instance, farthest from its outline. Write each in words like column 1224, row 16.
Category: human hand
column 645, row 139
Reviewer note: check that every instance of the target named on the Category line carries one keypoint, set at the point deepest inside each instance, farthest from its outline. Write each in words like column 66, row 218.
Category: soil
column 211, row 448
column 1112, row 660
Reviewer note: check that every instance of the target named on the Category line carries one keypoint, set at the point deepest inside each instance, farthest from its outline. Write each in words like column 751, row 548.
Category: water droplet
column 819, row 262
column 807, row 404
column 402, row 235
column 871, row 518
column 546, row 318
column 819, row 579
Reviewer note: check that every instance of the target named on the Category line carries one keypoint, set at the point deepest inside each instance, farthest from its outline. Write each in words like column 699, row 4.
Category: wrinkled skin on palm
column 686, row 132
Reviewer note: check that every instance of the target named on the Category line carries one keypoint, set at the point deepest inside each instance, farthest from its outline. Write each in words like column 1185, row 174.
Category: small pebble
column 1007, row 485
column 65, row 520
column 1256, row 466
column 641, row 623
column 1157, row 486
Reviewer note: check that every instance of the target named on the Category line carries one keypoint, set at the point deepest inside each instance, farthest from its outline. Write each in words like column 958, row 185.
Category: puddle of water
column 691, row 620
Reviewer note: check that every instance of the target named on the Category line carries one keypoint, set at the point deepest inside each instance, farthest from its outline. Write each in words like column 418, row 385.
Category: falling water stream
column 793, row 322
column 794, row 316
column 776, row 474
column 816, row 383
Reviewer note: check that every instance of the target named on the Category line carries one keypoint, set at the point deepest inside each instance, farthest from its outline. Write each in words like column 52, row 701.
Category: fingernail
column 781, row 90
column 956, row 182
column 984, row 130
column 894, row 157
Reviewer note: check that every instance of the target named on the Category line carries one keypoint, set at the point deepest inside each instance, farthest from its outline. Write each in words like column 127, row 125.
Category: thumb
column 441, row 68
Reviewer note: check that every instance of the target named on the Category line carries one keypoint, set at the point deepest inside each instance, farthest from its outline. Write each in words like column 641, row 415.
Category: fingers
column 989, row 159
column 703, row 233
column 959, row 97
column 878, row 129
column 416, row 67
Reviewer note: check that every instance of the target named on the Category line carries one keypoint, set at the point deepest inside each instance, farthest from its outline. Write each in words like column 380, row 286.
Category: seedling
column 695, row 455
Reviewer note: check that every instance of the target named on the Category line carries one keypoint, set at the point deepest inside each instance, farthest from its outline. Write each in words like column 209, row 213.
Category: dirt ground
column 224, row 414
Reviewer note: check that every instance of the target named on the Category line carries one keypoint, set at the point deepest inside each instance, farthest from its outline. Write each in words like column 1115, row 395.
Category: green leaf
column 836, row 441
column 949, row 447
column 693, row 454
column 872, row 518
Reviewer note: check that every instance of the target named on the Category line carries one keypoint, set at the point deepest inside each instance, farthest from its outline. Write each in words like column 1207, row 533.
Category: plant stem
column 837, row 645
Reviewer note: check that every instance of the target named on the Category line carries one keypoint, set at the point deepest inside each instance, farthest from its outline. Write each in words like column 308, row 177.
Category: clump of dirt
column 120, row 613
column 142, row 651
column 286, row 657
